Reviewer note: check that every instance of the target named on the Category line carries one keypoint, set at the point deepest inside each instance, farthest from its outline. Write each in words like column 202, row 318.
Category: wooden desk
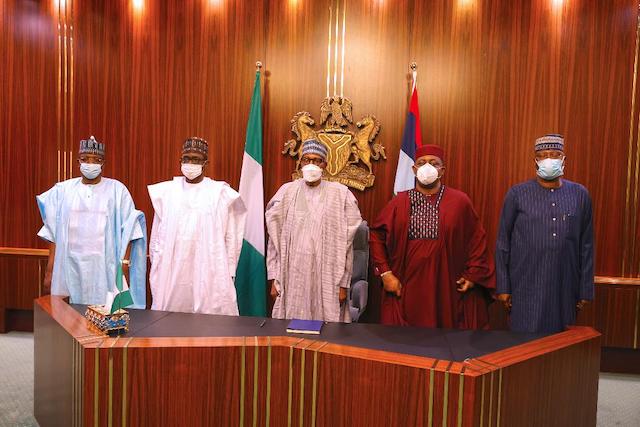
column 21, row 276
column 615, row 312
column 83, row 378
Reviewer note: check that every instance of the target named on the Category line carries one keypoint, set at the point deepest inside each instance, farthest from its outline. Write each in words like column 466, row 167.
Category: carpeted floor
column 619, row 400
column 16, row 379
column 618, row 395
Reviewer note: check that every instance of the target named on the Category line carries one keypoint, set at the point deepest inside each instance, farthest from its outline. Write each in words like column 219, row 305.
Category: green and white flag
column 251, row 275
column 123, row 297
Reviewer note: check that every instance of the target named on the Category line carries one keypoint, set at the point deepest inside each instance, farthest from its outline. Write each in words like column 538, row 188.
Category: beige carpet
column 16, row 379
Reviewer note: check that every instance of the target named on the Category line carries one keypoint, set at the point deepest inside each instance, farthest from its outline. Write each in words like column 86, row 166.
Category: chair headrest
column 361, row 238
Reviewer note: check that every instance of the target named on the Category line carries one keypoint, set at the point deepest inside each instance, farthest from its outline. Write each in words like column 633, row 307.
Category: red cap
column 430, row 150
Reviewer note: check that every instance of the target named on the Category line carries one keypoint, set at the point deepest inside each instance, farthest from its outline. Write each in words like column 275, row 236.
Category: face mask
column 311, row 173
column 90, row 170
column 427, row 174
column 550, row 169
column 191, row 171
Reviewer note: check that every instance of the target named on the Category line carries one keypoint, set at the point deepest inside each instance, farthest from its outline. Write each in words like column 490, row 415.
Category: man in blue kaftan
column 93, row 227
column 544, row 251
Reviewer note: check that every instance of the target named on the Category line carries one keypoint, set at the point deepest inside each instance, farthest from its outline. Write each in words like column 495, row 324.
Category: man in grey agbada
column 311, row 223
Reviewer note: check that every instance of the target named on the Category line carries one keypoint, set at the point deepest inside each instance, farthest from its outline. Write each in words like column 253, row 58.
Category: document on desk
column 297, row 326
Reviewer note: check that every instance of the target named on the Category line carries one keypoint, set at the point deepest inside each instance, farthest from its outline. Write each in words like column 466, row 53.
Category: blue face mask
column 90, row 170
column 550, row 169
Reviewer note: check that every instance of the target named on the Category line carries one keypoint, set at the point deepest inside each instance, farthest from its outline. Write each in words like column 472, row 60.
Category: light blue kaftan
column 92, row 225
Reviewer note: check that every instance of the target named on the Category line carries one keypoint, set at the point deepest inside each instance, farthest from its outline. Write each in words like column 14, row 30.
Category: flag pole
column 411, row 138
column 251, row 275
column 414, row 75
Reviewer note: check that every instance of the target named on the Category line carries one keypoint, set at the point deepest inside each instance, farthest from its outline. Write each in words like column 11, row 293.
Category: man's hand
column 392, row 284
column 46, row 283
column 505, row 299
column 48, row 273
column 343, row 295
column 581, row 303
column 464, row 285
column 274, row 292
column 125, row 272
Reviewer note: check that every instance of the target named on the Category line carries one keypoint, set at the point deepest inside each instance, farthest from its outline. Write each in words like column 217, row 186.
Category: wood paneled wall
column 492, row 76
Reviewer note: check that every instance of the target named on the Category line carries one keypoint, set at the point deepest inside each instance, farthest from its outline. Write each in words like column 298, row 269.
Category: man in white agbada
column 92, row 226
column 311, row 225
column 195, row 239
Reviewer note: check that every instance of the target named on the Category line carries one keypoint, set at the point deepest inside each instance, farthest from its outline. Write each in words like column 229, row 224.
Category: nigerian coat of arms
column 350, row 153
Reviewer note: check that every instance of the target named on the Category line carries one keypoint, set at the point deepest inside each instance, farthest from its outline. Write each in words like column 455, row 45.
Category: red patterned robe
column 429, row 242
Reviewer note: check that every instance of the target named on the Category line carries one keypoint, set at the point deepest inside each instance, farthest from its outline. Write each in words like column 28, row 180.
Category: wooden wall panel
column 376, row 80
column 497, row 75
column 23, row 278
column 28, row 142
column 492, row 76
column 28, row 126
column 295, row 64
column 147, row 80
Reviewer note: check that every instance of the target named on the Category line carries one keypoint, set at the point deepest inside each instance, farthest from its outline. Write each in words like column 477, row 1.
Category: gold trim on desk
column 314, row 396
column 96, row 385
column 431, row 385
column 243, row 359
column 110, row 382
column 460, row 397
column 124, row 382
column 490, row 397
column 290, row 391
column 256, row 354
column 484, row 377
column 499, row 397
column 445, row 394
column 302, row 369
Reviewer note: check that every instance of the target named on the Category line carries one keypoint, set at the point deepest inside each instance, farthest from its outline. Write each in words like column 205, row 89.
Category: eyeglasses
column 308, row 160
column 93, row 160
column 549, row 155
column 193, row 160
column 436, row 164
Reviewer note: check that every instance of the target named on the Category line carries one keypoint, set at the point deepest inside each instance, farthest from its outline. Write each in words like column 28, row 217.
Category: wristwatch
column 125, row 262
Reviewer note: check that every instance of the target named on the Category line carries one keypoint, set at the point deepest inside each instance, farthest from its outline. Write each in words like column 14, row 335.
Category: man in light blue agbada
column 92, row 226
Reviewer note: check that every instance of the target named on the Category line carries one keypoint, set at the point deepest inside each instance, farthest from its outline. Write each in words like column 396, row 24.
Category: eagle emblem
column 350, row 151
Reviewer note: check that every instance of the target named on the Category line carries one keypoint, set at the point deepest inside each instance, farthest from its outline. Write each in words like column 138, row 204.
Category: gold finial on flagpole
column 258, row 65
column 414, row 75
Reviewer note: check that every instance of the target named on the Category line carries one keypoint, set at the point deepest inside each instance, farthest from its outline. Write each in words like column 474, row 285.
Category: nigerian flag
column 123, row 297
column 251, row 275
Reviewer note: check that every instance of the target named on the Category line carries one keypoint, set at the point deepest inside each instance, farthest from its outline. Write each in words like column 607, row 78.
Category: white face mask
column 191, row 171
column 311, row 173
column 427, row 174
column 550, row 169
column 90, row 170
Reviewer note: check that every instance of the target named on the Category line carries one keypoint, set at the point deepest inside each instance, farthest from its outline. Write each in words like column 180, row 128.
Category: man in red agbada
column 430, row 249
